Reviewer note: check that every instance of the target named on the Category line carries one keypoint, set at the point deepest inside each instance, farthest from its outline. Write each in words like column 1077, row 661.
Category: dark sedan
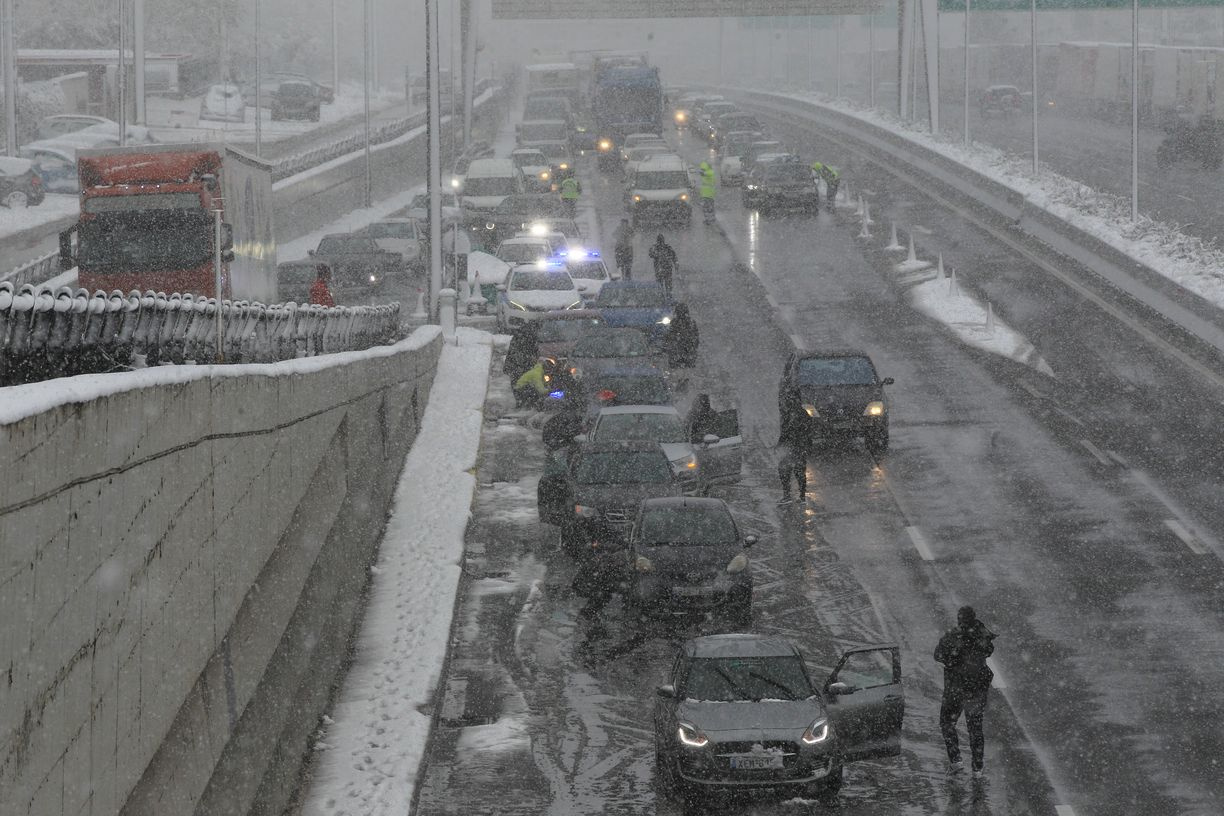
column 609, row 349
column 592, row 493
column 560, row 330
column 688, row 556
column 20, row 184
column 517, row 213
column 841, row 393
column 740, row 713
column 781, row 185
column 636, row 304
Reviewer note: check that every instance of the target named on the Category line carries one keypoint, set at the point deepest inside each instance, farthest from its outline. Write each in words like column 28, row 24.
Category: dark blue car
column 638, row 305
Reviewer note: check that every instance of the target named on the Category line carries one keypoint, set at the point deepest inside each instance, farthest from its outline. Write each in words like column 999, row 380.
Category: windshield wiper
column 735, row 688
column 790, row 695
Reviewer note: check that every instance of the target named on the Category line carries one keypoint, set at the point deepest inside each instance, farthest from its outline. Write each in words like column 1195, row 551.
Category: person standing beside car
column 320, row 292
column 623, row 238
column 962, row 652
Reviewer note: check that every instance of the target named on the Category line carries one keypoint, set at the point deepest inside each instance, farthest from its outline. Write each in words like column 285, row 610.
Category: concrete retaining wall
column 181, row 565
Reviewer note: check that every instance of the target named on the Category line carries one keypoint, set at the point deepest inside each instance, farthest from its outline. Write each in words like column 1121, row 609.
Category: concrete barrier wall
column 182, row 555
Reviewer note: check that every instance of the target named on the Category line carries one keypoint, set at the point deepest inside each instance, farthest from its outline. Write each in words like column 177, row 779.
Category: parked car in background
column 296, row 99
column 20, row 185
column 51, row 127
column 402, row 235
column 55, row 164
column 223, row 103
column 357, row 262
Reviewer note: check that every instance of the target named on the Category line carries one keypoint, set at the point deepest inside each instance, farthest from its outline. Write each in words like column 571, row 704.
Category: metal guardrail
column 46, row 334
column 36, row 271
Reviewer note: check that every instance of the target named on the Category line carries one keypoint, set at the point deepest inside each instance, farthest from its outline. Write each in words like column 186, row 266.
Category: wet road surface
column 1078, row 514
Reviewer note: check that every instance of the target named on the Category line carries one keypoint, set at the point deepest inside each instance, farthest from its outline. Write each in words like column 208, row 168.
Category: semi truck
column 147, row 222
column 626, row 99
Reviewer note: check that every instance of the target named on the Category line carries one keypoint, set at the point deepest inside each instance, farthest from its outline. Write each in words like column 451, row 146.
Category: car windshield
column 688, row 525
column 391, row 229
column 534, row 159
column 542, row 132
column 631, row 390
column 555, row 151
column 588, row 270
column 545, row 109
column 541, row 281
column 786, row 171
column 736, row 679
column 562, row 331
column 522, row 253
column 490, row 186
column 661, row 180
column 622, row 343
column 147, row 239
column 639, row 297
column 836, row 371
column 623, row 467
column 639, row 428
column 527, row 207
column 345, row 246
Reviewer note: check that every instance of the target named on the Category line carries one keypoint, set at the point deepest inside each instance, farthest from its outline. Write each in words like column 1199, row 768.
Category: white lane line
column 1064, row 810
column 798, row 341
column 1032, row 389
column 920, row 543
column 769, row 298
column 1188, row 538
column 1117, row 457
column 1096, row 452
column 998, row 681
column 1070, row 416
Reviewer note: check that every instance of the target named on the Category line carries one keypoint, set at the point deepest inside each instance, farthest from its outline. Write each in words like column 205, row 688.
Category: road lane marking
column 920, row 543
column 798, row 341
column 1096, row 452
column 1031, row 389
column 998, row 681
column 1070, row 416
column 1117, row 457
column 1188, row 538
column 1064, row 810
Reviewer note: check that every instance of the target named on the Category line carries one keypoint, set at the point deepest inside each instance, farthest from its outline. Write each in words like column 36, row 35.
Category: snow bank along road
column 1078, row 512
column 184, row 550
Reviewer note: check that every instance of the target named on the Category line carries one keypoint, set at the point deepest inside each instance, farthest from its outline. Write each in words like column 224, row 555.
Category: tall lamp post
column 8, row 40
column 369, row 177
column 258, row 87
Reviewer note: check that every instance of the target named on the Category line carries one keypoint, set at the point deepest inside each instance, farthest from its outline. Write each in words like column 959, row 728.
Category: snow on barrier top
column 46, row 334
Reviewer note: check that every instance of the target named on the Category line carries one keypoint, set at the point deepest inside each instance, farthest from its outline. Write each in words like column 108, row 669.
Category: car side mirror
column 839, row 689
column 887, row 381
column 227, row 236
column 710, row 439
column 580, row 438
column 227, row 255
column 310, row 252
column 501, row 287
column 750, row 540
column 666, row 692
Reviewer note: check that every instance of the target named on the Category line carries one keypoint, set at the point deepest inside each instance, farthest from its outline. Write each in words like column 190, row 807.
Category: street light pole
column 871, row 78
column 1033, row 37
column 258, row 87
column 433, row 169
column 369, row 177
column 8, row 40
column 138, row 58
column 1135, row 110
column 121, row 73
column 966, row 110
column 335, row 52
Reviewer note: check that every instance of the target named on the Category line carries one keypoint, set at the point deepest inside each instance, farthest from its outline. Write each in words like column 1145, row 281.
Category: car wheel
column 667, row 779
column 829, row 790
column 16, row 200
column 739, row 612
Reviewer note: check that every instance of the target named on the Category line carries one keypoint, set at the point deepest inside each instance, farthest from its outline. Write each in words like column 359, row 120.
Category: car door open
column 722, row 461
column 865, row 702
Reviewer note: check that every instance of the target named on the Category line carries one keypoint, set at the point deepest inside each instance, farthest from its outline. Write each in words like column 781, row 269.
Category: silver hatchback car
column 740, row 714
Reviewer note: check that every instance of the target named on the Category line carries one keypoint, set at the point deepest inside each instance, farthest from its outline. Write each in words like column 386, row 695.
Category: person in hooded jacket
column 623, row 241
column 665, row 263
column 702, row 419
column 680, row 342
column 523, row 352
column 962, row 652
column 794, row 446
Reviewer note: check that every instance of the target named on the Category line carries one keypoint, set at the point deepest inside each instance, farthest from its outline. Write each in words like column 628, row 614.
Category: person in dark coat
column 523, row 352
column 963, row 652
column 680, row 342
column 665, row 263
column 702, row 419
column 561, row 428
column 623, row 240
column 794, row 445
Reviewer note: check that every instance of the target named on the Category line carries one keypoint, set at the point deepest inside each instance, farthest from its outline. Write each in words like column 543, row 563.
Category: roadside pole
column 258, row 88
column 468, row 28
column 8, row 40
column 1134, row 110
column 871, row 78
column 1033, row 36
column 966, row 110
column 121, row 73
column 434, row 170
column 138, row 58
column 365, row 62
column 220, row 349
column 335, row 53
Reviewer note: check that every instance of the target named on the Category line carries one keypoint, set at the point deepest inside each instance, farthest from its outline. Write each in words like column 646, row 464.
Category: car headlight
column 750, row 187
column 582, row 511
column 738, row 564
column 637, row 198
column 691, row 736
column 665, row 320
column 605, row 145
column 810, row 410
column 685, row 464
column 684, row 196
column 373, row 279
column 544, row 175
column 490, row 225
column 874, row 408
column 681, row 116
column 518, row 306
column 817, row 732
column 564, row 165
column 643, row 564
column 539, row 230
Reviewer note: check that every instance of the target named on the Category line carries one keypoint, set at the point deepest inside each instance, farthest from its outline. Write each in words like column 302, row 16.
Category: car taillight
column 35, row 180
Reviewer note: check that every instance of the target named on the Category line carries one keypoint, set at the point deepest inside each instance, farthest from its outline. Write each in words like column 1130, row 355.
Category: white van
column 487, row 182
column 660, row 187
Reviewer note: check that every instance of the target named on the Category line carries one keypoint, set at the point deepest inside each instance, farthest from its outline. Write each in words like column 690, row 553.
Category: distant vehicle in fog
column 223, row 103
column 20, row 184
column 296, row 99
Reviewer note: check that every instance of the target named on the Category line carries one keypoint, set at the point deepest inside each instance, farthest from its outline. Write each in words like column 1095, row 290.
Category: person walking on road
column 832, row 179
column 320, row 292
column 709, row 187
column 624, row 248
column 665, row 263
column 963, row 652
column 794, row 445
column 569, row 196
column 680, row 342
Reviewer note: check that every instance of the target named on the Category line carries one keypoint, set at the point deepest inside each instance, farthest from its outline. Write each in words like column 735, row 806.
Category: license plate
column 691, row 591
column 844, row 425
column 755, row 763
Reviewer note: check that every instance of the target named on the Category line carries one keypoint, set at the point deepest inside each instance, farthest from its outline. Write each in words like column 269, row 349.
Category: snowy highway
column 1076, row 512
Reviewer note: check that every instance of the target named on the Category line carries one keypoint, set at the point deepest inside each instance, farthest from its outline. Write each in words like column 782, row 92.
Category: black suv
column 687, row 556
column 781, row 185
column 841, row 393
column 296, row 99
